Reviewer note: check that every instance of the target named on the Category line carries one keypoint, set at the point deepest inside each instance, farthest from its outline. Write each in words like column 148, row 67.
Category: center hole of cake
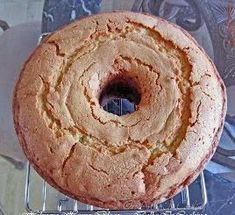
column 120, row 96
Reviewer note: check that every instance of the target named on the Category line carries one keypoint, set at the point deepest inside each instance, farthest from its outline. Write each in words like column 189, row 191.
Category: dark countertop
column 218, row 17
column 221, row 195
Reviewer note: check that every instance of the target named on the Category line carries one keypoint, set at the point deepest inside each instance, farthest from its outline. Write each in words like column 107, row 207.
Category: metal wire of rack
column 66, row 205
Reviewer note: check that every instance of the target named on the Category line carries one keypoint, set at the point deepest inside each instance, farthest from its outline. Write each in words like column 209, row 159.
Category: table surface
column 212, row 23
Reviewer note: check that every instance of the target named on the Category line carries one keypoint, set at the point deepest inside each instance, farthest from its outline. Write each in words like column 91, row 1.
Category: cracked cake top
column 119, row 161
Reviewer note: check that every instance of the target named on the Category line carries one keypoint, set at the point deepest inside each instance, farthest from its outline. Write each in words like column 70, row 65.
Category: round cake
column 107, row 160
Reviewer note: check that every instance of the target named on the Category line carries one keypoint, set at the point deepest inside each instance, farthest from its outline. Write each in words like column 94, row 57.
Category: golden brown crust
column 132, row 160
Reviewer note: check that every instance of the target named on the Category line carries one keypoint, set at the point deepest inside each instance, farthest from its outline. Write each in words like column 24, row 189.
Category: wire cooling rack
column 50, row 201
column 41, row 198
column 192, row 198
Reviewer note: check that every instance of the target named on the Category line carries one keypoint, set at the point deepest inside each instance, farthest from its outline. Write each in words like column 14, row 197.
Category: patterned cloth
column 60, row 12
